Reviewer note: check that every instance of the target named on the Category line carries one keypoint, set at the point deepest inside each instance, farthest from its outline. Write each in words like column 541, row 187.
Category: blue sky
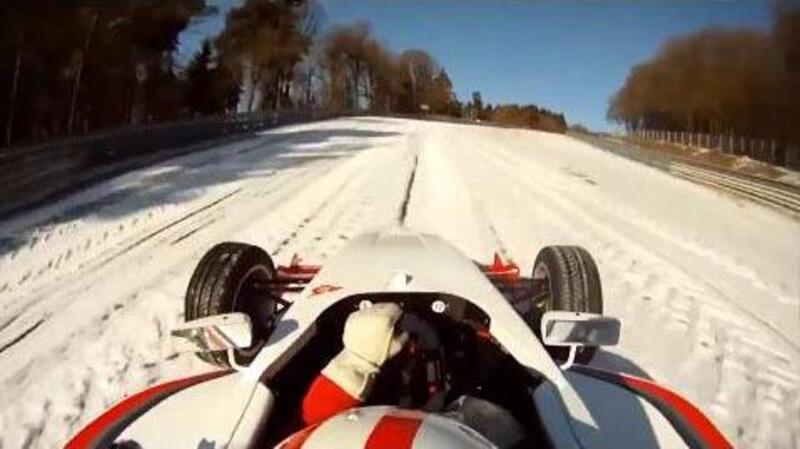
column 569, row 56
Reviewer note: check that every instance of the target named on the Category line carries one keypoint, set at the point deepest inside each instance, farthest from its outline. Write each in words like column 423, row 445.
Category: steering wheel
column 422, row 382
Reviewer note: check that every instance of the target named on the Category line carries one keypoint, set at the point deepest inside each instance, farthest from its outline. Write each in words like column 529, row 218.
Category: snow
column 707, row 285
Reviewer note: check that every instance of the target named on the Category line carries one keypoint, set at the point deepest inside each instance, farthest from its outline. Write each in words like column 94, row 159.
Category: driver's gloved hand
column 370, row 339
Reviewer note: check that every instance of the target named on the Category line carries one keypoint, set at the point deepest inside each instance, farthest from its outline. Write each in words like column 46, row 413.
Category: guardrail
column 756, row 190
column 783, row 197
column 33, row 175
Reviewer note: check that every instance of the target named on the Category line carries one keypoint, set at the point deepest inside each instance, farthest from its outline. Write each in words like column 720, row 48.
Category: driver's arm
column 369, row 340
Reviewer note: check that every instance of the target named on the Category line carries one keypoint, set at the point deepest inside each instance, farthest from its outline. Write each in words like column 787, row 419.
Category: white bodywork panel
column 198, row 416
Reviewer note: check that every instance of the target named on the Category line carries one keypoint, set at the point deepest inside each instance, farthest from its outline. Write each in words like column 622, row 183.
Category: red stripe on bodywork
column 88, row 437
column 296, row 441
column 394, row 432
column 705, row 429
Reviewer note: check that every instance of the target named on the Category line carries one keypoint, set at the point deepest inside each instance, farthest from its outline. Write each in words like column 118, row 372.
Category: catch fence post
column 792, row 159
column 773, row 153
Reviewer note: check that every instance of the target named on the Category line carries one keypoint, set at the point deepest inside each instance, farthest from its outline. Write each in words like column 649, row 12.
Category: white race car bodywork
column 576, row 409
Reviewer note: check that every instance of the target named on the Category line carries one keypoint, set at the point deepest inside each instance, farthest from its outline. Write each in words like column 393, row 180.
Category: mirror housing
column 578, row 329
column 224, row 332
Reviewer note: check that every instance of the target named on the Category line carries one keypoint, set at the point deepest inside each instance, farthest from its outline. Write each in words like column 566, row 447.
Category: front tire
column 233, row 277
column 566, row 278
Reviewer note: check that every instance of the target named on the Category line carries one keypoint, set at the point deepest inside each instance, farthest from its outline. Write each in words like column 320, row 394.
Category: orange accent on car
column 324, row 288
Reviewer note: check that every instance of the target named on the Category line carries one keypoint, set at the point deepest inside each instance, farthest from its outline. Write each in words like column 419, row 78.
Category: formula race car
column 487, row 333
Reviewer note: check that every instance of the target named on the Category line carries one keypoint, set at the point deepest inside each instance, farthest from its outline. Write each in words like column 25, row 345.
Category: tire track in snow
column 94, row 265
column 407, row 197
column 370, row 196
column 21, row 336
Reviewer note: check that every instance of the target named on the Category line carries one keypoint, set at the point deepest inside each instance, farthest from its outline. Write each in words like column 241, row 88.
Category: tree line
column 76, row 67
column 524, row 116
column 720, row 81
column 67, row 68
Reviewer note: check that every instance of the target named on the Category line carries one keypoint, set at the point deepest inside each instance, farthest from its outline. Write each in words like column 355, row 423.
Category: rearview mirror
column 561, row 328
column 575, row 329
column 215, row 333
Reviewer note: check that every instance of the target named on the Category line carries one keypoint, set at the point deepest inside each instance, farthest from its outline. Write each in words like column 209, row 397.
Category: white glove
column 369, row 340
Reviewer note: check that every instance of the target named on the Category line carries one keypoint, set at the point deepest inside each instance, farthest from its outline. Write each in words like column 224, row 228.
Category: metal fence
column 770, row 151
column 31, row 175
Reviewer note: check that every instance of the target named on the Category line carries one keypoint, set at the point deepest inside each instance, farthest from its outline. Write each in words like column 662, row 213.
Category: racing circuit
column 705, row 283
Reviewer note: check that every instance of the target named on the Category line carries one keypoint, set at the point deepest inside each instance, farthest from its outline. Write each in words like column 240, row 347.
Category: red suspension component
column 295, row 276
column 505, row 276
column 500, row 270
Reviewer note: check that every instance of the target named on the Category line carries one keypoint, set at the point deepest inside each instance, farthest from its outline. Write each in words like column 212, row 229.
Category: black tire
column 566, row 278
column 233, row 277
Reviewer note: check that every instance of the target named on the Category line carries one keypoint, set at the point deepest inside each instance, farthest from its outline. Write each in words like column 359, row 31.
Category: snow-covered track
column 758, row 190
column 705, row 282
